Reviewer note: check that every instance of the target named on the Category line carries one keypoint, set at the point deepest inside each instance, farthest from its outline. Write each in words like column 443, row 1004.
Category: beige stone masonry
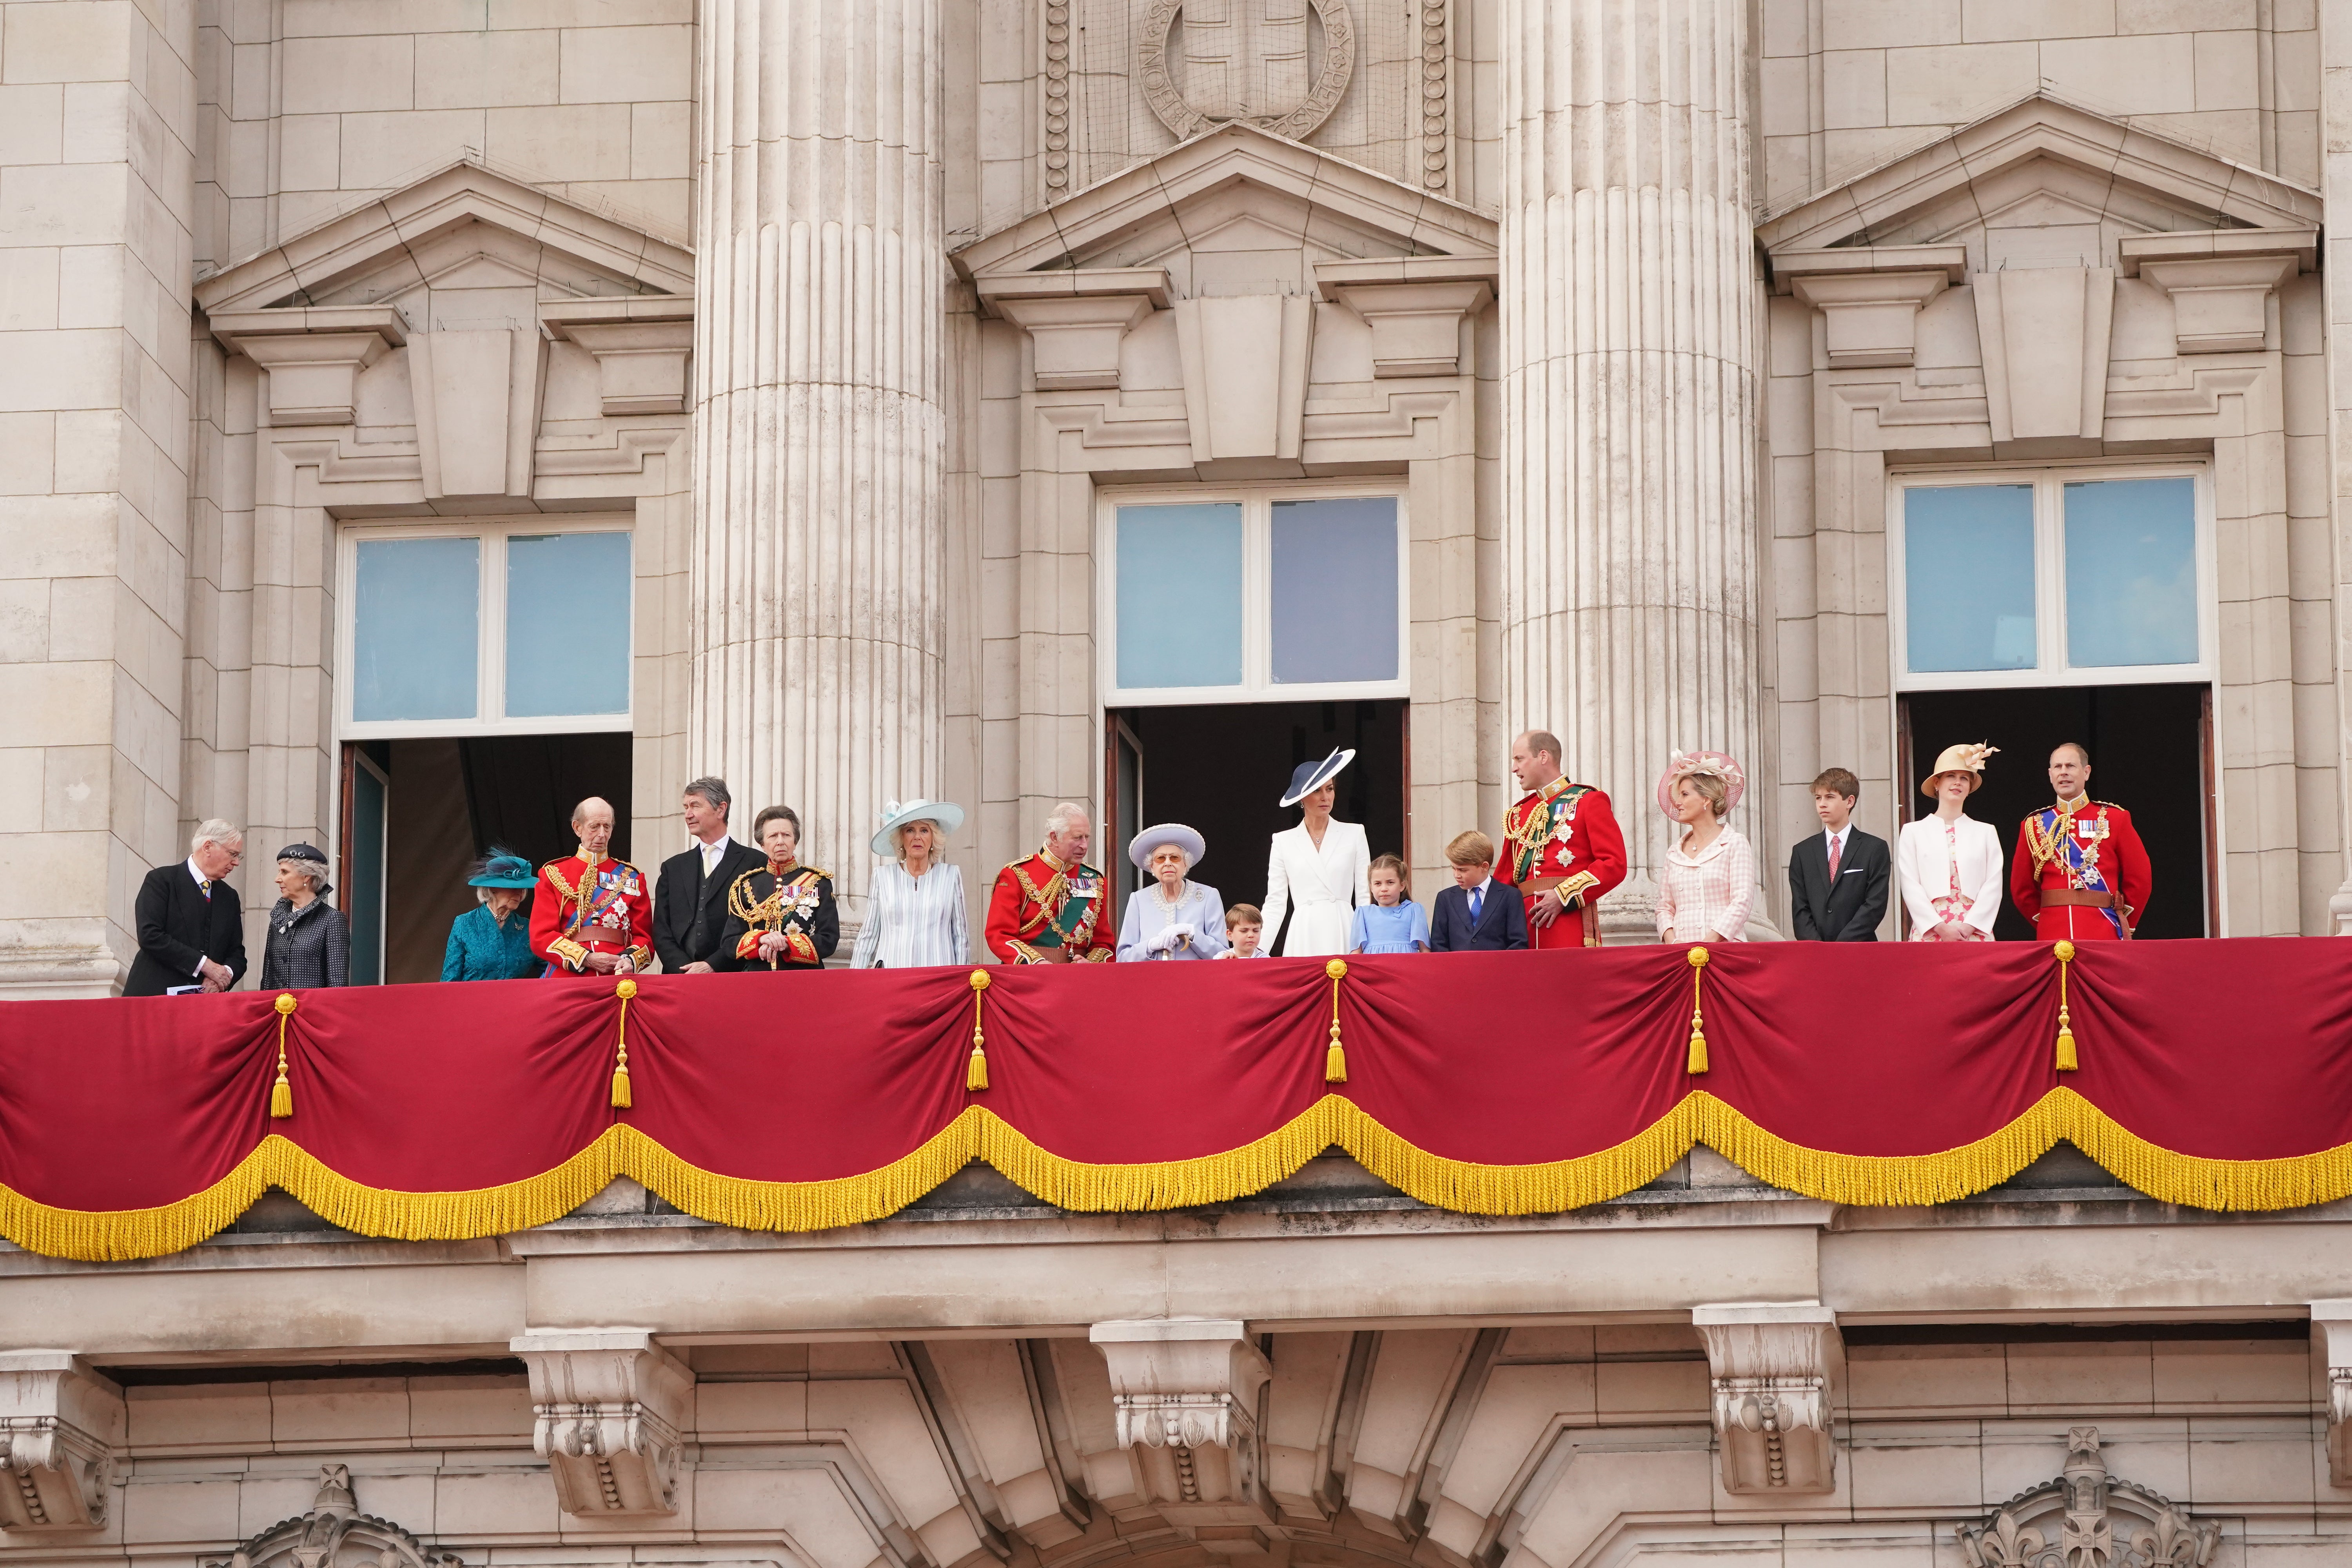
column 1870, row 298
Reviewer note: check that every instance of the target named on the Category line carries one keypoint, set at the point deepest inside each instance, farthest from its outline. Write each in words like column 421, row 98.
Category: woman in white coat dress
column 1949, row 864
column 1318, row 871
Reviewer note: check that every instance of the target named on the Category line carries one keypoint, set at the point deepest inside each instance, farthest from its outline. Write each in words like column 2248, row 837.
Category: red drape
column 2214, row 1072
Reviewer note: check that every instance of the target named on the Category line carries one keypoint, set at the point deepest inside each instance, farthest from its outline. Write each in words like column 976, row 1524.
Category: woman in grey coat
column 308, row 945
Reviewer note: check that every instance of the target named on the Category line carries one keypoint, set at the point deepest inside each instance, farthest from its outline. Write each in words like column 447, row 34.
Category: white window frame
column 490, row 666
column 2051, row 667
column 1258, row 682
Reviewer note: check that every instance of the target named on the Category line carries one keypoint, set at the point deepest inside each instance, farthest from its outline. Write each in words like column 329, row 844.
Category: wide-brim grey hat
column 1194, row 846
column 945, row 814
column 1309, row 777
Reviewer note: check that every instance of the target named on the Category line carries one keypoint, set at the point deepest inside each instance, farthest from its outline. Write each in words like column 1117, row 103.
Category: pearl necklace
column 1159, row 893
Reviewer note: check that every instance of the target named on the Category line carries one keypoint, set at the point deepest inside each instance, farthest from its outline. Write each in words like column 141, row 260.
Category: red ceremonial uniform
column 2081, row 872
column 586, row 906
column 1563, row 835
column 1032, row 899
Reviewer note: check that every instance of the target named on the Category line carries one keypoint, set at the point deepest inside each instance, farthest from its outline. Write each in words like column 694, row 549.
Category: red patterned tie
column 1834, row 843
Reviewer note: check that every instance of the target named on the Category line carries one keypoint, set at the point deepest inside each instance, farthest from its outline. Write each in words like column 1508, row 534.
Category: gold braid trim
column 1463, row 1187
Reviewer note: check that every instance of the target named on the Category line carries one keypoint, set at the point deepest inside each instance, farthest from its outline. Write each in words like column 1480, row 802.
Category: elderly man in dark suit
column 191, row 924
column 1838, row 877
column 690, row 899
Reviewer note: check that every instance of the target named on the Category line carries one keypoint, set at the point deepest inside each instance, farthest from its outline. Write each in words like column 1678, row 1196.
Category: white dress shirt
column 712, row 853
column 1834, row 849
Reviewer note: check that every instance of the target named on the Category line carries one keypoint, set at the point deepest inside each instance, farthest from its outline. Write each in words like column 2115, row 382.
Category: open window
column 485, row 690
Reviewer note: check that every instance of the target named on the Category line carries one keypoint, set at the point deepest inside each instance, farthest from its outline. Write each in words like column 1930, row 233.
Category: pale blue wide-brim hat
column 1309, row 777
column 945, row 814
column 1182, row 837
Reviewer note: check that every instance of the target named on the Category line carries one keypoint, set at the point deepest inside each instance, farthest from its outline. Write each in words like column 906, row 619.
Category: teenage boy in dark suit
column 1838, row 877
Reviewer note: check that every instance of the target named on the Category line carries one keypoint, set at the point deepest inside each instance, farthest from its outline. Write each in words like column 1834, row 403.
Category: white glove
column 1165, row 941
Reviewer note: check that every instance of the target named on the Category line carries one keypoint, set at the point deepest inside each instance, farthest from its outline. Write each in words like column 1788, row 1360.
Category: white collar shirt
column 712, row 853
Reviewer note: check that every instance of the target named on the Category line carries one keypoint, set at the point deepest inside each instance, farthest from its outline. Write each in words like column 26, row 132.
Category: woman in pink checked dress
column 1708, row 885
column 1949, row 864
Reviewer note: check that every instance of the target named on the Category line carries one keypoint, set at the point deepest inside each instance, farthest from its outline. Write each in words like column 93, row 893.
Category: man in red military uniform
column 592, row 915
column 1048, row 908
column 1561, row 848
column 2080, row 871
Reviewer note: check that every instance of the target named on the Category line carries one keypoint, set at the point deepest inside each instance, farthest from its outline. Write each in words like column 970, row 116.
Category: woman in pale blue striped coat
column 914, row 914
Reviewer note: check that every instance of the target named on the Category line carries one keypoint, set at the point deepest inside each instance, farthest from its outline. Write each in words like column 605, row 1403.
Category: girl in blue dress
column 1392, row 922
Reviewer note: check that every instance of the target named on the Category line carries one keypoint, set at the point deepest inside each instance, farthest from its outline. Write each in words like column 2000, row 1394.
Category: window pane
column 2131, row 572
column 1968, row 567
column 1335, row 590
column 1179, row 595
column 416, row 625
column 567, row 624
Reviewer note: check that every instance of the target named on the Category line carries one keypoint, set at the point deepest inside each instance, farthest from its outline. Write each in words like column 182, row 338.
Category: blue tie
column 1477, row 903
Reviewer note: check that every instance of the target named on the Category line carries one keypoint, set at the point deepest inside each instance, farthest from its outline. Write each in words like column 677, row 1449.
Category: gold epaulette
column 812, row 870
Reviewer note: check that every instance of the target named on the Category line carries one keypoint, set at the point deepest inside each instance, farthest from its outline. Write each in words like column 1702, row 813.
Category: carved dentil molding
column 2087, row 1518
column 335, row 1534
column 59, row 1425
column 1770, row 1365
column 608, row 1408
column 1186, row 1395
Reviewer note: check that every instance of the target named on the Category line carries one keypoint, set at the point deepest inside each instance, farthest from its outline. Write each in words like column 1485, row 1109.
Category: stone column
column 1629, row 362
column 96, row 182
column 818, row 546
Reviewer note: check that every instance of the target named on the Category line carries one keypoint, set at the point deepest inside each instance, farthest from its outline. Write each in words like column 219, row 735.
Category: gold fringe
column 1460, row 1185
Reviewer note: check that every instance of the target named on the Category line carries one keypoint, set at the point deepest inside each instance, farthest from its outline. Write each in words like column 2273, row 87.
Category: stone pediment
column 1235, row 211
column 464, row 229
column 2040, row 182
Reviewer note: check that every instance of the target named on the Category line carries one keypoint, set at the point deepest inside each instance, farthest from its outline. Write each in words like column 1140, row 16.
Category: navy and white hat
column 1176, row 833
column 1309, row 777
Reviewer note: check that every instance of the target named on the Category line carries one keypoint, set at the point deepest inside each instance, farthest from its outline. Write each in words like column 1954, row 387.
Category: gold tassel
column 2066, row 1062
column 1335, row 1059
column 1697, row 1063
column 625, row 990
column 281, row 1093
column 975, row 1068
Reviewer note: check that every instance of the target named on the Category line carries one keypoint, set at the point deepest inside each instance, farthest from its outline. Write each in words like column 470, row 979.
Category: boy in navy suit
column 1475, row 915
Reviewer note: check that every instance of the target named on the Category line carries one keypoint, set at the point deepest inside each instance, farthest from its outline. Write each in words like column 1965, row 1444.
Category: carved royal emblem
column 1247, row 60
column 336, row 1534
column 2086, row 1518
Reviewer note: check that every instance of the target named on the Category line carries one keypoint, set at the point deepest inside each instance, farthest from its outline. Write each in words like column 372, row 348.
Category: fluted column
column 818, row 630
column 1630, row 395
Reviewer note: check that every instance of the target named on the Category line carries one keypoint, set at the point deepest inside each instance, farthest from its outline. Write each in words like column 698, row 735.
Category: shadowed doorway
column 1221, row 768
column 2151, row 753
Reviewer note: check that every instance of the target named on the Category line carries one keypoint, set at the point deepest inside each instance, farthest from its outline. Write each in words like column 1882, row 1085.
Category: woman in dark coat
column 309, row 943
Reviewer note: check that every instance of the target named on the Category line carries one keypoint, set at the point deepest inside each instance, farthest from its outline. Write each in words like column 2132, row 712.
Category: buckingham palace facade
column 415, row 415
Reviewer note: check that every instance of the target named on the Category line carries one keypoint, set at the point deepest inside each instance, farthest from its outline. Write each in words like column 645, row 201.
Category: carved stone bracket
column 1870, row 298
column 1186, row 1396
column 60, row 1423
column 2333, row 1321
column 1414, row 305
column 641, row 344
column 2221, row 281
column 335, row 1534
column 2086, row 1518
column 1773, row 1364
column 609, row 1406
column 313, row 355
column 1077, row 319
column 2045, row 335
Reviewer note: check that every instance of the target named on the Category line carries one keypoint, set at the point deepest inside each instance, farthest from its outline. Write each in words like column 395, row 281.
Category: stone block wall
column 1845, row 83
column 97, row 104
column 310, row 107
